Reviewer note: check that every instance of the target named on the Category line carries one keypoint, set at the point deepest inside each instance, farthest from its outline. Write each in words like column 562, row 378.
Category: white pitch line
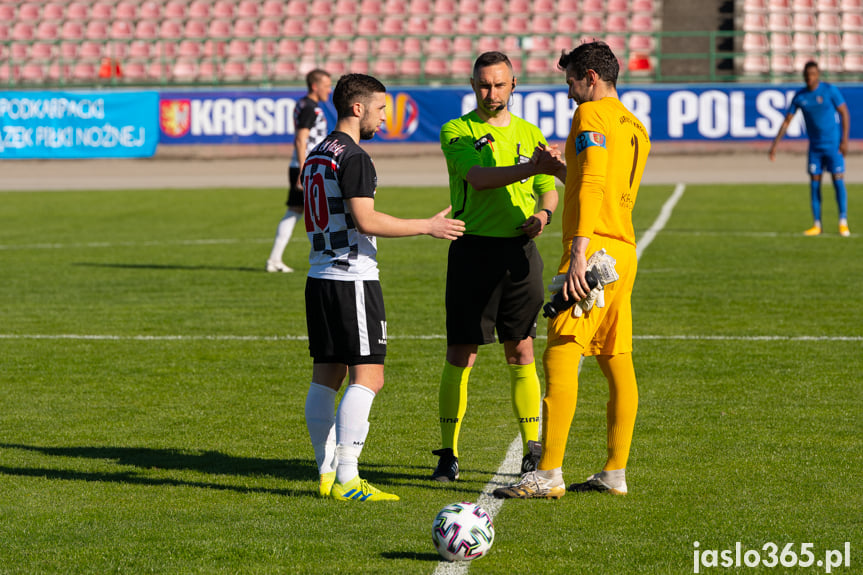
column 658, row 337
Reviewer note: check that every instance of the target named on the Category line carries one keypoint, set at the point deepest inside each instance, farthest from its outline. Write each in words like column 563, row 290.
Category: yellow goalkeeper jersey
column 605, row 156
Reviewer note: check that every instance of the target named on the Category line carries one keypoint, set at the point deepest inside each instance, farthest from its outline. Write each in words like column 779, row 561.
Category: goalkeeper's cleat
column 276, row 267
column 326, row 485
column 447, row 465
column 844, row 231
column 532, row 486
column 531, row 458
column 813, row 231
column 603, row 483
column 360, row 490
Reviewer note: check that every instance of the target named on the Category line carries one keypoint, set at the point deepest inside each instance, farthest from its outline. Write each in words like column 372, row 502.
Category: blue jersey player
column 828, row 141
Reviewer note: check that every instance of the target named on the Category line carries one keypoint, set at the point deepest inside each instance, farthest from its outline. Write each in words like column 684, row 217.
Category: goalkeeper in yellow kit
column 605, row 156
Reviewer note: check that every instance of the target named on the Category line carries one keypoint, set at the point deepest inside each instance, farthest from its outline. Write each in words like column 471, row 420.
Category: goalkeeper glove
column 600, row 272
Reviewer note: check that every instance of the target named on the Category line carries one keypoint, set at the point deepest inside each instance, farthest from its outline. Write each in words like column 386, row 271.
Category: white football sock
column 321, row 423
column 283, row 235
column 352, row 427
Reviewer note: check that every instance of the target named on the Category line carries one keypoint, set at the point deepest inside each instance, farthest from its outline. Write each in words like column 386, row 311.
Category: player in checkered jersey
column 310, row 129
column 344, row 303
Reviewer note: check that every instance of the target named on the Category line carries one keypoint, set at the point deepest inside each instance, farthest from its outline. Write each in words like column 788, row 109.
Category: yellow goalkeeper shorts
column 606, row 330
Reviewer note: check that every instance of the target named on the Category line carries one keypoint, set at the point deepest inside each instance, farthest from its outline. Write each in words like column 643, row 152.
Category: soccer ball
column 462, row 532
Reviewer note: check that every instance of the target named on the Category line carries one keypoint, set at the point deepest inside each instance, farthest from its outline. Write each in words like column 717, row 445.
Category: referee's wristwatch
column 547, row 211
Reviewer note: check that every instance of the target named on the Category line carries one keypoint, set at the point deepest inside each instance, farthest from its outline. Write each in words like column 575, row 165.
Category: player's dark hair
column 353, row 88
column 315, row 76
column 810, row 64
column 596, row 56
column 490, row 59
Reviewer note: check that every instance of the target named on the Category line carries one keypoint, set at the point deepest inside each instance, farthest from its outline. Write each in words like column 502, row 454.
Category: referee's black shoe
column 447, row 466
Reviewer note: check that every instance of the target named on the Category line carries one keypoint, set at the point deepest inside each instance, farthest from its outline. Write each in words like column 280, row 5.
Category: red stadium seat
column 393, row 25
column 492, row 24
column 22, row 31
column 827, row 5
column 617, row 24
column 247, row 9
column 297, row 8
column 413, row 45
column 174, row 10
column 829, row 42
column 234, row 71
column 338, row 48
column 779, row 22
column 84, row 71
column 185, row 70
column 443, row 25
column 396, row 7
column 47, row 30
column 803, row 22
column 170, row 29
column 782, row 63
column 852, row 42
column 640, row 43
column 150, row 11
column 755, row 64
column 597, row 6
column 219, row 29
column 126, row 11
column 28, row 12
column 517, row 25
column 245, row 28
column 829, row 22
column 567, row 6
column 288, row 48
column 347, row 7
column 371, row 7
column 239, row 48
column 643, row 6
column 268, row 28
column 344, row 26
column 437, row 67
column 272, row 9
column 189, row 49
column 851, row 5
column 361, row 47
column 489, row 44
column 467, row 25
column 780, row 43
column 853, row 63
column 284, row 70
column 417, row 26
column 410, row 68
column 438, row 46
column 32, row 72
column 223, row 9
column 445, row 7
column 318, row 27
column 121, row 30
column 462, row 67
column 755, row 42
column 462, row 45
column 321, row 7
column 385, row 67
column 852, row 22
column 199, row 9
column 466, row 7
column 389, row 46
column 7, row 13
column 42, row 51
column 293, row 27
column 96, row 30
column 140, row 50
column 641, row 23
column 542, row 24
column 52, row 11
column 76, row 11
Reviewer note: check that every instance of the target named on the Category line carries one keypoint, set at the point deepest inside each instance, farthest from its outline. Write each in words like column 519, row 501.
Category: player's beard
column 367, row 130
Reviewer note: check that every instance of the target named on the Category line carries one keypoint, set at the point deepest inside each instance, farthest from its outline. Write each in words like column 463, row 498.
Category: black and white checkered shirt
column 309, row 114
column 335, row 170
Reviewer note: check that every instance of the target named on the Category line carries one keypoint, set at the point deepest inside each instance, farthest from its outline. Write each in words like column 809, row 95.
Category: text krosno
column 52, row 108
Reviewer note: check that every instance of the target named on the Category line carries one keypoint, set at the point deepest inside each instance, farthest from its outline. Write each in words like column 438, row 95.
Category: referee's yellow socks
column 452, row 404
column 622, row 407
column 526, row 395
column 560, row 360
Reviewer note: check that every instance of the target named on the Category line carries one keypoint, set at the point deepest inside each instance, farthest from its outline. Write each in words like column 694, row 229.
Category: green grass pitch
column 152, row 382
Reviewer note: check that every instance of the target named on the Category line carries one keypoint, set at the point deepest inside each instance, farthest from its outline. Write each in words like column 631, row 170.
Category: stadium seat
column 438, row 46
column 542, row 24
column 436, row 67
column 50, row 11
column 541, row 67
column 779, row 22
column 803, row 22
column 442, row 25
column 621, row 6
column 853, row 63
column 296, row 8
column 490, row 7
column 567, row 6
column 7, row 13
column 83, row 71
column 782, row 63
column 385, row 67
column 641, row 23
column 96, row 30
column 125, row 11
column 336, row 67
column 519, row 7
column 343, row 27
column 22, row 31
column 19, row 51
column 69, row 50
column 829, row 42
column 616, row 43
column 32, row 72
column 368, row 26
column 76, row 11
column 489, row 44
column 361, row 47
column 852, row 22
column 170, row 29
column 185, row 70
column 388, row 46
column 617, row 24
column 750, row 6
column 643, row 6
column 780, row 42
column 284, row 70
column 121, row 30
column 359, row 66
column 393, row 25
column 223, row 9
column 292, row 27
column 265, row 48
column 175, row 10
column 754, row 22
column 755, row 64
column 247, row 9
column 643, row 43
column 347, row 7
column 410, row 68
column 589, row 6
column 831, row 63
column 47, row 30
column 779, row 5
column 219, row 29
column 829, row 22
column 208, row 71
column 311, row 47
column 462, row 45
column 244, row 28
column 445, row 7
column 417, row 26
column 803, row 5
column 338, row 48
column 852, row 42
column 42, row 51
column 27, row 12
column 274, row 9
column 468, row 7
column 517, row 25
column 467, row 25
column 140, row 50
column 462, row 67
column 239, row 48
column 537, row 44
column 320, row 8
column 852, row 5
column 827, row 5
column 567, row 24
column 543, row 7
column 803, row 41
column 234, row 71
column 268, row 28
column 370, row 8
column 288, row 48
column 149, row 11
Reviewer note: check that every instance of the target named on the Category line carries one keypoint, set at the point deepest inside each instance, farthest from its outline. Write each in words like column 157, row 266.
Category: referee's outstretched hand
column 444, row 228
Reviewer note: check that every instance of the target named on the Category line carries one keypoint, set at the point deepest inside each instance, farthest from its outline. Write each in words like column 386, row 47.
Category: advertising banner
column 674, row 113
column 78, row 124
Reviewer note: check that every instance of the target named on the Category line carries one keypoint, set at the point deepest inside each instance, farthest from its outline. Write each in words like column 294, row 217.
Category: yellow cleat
column 813, row 231
column 359, row 490
column 844, row 231
column 327, row 480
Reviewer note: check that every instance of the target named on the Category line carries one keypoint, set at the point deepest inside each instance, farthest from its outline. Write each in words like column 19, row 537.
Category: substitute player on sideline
column 344, row 304
column 310, row 128
column 500, row 172
column 828, row 144
column 605, row 156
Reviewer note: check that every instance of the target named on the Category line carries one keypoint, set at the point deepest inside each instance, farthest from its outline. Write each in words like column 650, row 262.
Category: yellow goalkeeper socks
column 561, row 359
column 622, row 407
column 452, row 404
column 525, row 393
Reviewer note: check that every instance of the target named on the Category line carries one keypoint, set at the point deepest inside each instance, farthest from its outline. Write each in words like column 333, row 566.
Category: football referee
column 501, row 172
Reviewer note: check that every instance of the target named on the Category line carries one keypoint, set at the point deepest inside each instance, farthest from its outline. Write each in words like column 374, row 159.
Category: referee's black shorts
column 492, row 283
column 295, row 192
column 346, row 321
